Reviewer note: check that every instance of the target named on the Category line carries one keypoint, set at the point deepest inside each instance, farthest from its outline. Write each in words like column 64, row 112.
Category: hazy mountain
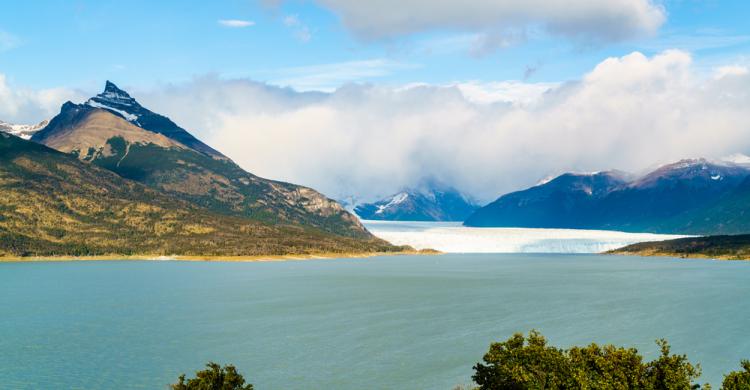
column 684, row 197
column 23, row 131
column 115, row 132
column 54, row 204
column 430, row 202
column 570, row 200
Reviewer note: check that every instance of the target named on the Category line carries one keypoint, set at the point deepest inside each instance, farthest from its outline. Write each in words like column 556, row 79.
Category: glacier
column 452, row 237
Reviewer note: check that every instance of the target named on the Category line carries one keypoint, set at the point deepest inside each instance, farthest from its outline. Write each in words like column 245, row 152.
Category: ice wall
column 454, row 238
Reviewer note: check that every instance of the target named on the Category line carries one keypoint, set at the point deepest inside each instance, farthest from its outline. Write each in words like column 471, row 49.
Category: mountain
column 675, row 198
column 113, row 131
column 569, row 200
column 430, row 203
column 55, row 204
column 119, row 102
column 23, row 131
column 730, row 214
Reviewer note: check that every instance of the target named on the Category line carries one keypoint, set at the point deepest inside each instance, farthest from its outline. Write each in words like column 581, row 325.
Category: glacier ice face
column 452, row 237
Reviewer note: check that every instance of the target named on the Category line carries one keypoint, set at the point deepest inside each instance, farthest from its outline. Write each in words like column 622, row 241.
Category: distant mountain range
column 694, row 196
column 125, row 147
column 428, row 202
column 22, row 131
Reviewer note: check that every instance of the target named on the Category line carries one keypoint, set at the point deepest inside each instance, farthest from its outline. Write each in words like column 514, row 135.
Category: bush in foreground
column 738, row 380
column 529, row 363
column 214, row 377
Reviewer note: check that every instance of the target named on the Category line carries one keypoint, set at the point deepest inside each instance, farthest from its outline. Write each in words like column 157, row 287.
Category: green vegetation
column 738, row 380
column 529, row 363
column 214, row 377
column 717, row 247
column 223, row 187
column 55, row 205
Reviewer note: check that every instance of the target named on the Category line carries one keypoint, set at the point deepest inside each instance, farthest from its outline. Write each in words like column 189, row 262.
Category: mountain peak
column 114, row 95
column 120, row 103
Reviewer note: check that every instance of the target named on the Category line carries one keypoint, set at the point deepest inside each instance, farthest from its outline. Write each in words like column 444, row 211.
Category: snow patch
column 130, row 117
column 22, row 131
column 395, row 200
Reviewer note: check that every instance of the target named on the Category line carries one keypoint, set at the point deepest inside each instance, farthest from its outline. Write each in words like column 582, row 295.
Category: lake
column 408, row 322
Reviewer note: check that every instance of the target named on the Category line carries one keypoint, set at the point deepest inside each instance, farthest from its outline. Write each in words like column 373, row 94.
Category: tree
column 521, row 363
column 529, row 363
column 610, row 367
column 213, row 378
column 671, row 371
column 738, row 380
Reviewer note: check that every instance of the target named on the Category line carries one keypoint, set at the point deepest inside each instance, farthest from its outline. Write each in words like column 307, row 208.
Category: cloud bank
column 628, row 112
column 486, row 138
column 586, row 20
column 25, row 105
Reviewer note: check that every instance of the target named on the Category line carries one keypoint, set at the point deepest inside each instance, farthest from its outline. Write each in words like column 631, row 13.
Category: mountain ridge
column 669, row 199
column 167, row 161
column 54, row 204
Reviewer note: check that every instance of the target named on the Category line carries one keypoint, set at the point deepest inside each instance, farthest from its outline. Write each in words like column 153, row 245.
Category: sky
column 359, row 99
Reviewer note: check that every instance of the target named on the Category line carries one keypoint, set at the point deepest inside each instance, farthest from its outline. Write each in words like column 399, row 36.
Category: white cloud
column 236, row 23
column 326, row 77
column 730, row 70
column 513, row 92
column 8, row 41
column 26, row 106
column 628, row 112
column 487, row 138
column 587, row 20
column 301, row 31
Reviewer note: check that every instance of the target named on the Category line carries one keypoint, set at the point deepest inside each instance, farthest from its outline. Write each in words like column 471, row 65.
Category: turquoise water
column 381, row 323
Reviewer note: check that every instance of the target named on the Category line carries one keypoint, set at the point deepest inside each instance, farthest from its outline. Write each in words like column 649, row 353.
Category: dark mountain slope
column 690, row 196
column 569, row 201
column 729, row 214
column 651, row 202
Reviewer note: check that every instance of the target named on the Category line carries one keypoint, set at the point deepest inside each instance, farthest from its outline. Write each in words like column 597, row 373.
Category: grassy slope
column 223, row 187
column 53, row 204
column 735, row 247
column 105, row 139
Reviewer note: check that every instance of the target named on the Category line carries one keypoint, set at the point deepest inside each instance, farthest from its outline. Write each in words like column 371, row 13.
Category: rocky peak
column 113, row 94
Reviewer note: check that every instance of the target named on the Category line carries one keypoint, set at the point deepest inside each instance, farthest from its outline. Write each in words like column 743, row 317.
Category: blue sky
column 140, row 43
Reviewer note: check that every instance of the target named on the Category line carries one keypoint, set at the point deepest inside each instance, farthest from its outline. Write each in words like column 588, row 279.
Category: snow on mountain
column 116, row 100
column 128, row 116
column 22, row 131
column 394, row 201
column 120, row 103
column 428, row 201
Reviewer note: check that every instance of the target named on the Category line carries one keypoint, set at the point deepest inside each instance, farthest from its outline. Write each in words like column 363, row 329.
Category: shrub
column 214, row 377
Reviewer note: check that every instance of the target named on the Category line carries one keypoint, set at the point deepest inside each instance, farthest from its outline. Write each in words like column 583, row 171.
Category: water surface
column 410, row 322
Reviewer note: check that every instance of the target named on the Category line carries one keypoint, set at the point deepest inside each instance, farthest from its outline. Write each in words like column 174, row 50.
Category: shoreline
column 238, row 259
column 680, row 256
